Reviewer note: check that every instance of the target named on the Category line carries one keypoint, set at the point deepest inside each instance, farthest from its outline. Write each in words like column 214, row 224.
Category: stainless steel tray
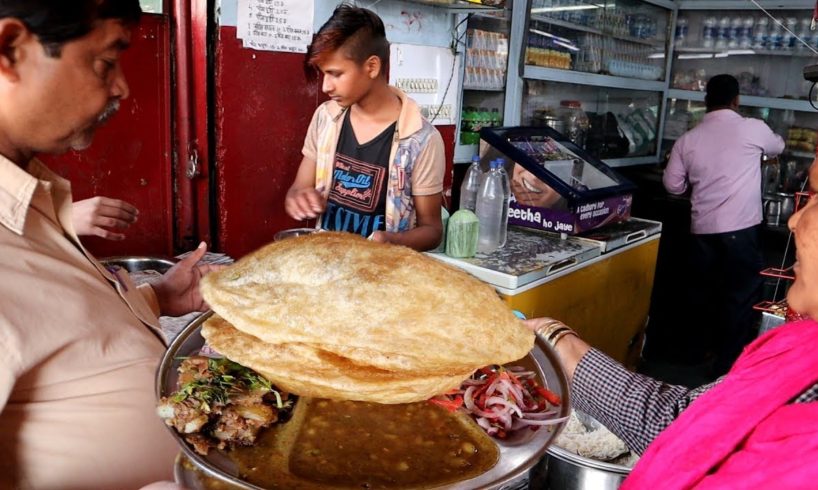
column 618, row 235
column 517, row 455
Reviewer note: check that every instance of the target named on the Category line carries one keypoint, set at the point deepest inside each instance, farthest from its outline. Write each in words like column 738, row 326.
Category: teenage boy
column 372, row 164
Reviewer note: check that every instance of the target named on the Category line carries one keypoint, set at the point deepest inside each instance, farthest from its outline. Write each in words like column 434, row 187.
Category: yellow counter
column 606, row 299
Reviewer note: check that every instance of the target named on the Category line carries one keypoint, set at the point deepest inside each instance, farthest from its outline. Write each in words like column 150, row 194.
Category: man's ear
column 13, row 34
column 373, row 67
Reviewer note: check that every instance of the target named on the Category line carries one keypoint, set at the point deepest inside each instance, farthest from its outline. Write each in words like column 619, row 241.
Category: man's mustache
column 108, row 112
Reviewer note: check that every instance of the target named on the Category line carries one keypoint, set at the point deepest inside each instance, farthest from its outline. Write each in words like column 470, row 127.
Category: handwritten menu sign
column 276, row 25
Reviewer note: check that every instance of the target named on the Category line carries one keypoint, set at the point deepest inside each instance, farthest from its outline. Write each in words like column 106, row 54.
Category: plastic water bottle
column 736, row 30
column 761, row 34
column 805, row 33
column 709, row 32
column 507, row 199
column 724, row 33
column 746, row 39
column 790, row 40
column 776, row 38
column 681, row 32
column 471, row 185
column 492, row 210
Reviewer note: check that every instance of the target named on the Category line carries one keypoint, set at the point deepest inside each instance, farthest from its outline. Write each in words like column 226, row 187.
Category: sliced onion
column 543, row 422
column 496, row 400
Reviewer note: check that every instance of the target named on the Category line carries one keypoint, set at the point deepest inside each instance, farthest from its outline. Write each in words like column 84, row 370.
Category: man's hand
column 304, row 203
column 178, row 289
column 99, row 215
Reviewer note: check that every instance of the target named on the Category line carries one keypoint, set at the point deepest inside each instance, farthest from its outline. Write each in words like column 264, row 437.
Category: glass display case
column 764, row 55
column 598, row 72
column 486, row 50
column 555, row 184
column 608, row 123
column 624, row 38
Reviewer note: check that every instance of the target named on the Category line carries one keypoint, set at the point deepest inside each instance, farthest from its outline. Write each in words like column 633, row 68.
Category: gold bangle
column 557, row 332
column 549, row 328
column 560, row 335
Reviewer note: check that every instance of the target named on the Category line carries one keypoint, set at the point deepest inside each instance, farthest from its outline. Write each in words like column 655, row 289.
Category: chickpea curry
column 344, row 444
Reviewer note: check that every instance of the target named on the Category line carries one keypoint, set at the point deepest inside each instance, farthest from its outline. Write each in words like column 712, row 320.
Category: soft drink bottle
column 471, row 185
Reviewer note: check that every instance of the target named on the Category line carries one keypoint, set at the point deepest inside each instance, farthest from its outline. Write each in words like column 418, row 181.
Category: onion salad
column 504, row 400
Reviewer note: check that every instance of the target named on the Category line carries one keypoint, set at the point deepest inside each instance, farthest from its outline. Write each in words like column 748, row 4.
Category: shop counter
column 601, row 287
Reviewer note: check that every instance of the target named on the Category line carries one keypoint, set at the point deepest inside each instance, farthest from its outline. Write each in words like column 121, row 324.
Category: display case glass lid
column 555, row 160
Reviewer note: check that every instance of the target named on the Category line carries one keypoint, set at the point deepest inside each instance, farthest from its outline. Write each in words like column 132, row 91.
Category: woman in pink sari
column 756, row 427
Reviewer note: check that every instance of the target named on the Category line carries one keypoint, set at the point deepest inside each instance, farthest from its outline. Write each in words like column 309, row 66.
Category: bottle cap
column 475, row 159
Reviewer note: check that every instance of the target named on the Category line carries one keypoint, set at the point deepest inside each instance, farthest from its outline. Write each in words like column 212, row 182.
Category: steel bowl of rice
column 587, row 456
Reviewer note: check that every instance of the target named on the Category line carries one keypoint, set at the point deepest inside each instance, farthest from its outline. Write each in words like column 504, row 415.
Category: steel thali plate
column 517, row 455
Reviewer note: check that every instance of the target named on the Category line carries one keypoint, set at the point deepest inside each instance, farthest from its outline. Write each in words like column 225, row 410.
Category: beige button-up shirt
column 79, row 348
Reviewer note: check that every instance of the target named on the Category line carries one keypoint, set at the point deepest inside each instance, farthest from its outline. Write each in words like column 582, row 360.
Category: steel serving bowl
column 293, row 232
column 517, row 454
column 569, row 471
column 139, row 264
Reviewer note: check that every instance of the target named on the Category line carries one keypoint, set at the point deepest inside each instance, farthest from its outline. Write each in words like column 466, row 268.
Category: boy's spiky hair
column 358, row 31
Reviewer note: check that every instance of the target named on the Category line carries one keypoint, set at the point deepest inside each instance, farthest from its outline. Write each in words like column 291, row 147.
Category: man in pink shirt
column 720, row 162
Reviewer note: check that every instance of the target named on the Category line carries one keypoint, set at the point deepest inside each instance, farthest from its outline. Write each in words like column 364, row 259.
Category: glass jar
column 576, row 121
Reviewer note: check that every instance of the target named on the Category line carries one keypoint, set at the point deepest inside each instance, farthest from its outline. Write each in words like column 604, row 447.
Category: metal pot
column 569, row 471
column 772, row 210
column 545, row 118
column 787, row 206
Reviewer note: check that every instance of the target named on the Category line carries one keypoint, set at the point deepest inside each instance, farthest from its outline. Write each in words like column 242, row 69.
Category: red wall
column 263, row 107
column 130, row 158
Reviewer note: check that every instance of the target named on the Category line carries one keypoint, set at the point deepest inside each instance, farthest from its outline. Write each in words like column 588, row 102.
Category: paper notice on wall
column 276, row 25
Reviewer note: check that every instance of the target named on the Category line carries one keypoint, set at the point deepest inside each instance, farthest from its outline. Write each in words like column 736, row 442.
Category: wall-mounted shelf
column 460, row 6
column 478, row 88
column 744, row 5
column 592, row 30
column 722, row 53
column 594, row 79
column 748, row 100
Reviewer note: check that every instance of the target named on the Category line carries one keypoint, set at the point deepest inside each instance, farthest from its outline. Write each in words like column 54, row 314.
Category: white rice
column 599, row 444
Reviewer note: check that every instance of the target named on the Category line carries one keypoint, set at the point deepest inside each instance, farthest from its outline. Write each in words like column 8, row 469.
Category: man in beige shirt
column 79, row 345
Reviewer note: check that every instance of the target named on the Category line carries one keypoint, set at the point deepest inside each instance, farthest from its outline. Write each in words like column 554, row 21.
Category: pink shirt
column 721, row 160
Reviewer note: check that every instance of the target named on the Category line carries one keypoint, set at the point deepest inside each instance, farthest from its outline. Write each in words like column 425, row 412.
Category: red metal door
column 131, row 157
column 263, row 105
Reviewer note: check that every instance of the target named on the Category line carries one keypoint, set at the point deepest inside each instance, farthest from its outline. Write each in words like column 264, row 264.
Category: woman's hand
column 99, row 216
column 569, row 348
column 178, row 289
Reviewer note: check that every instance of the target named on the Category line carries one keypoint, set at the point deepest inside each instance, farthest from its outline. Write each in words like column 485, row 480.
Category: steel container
column 569, row 471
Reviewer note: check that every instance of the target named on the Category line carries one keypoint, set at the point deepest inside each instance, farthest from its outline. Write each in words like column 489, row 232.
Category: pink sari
column 744, row 433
